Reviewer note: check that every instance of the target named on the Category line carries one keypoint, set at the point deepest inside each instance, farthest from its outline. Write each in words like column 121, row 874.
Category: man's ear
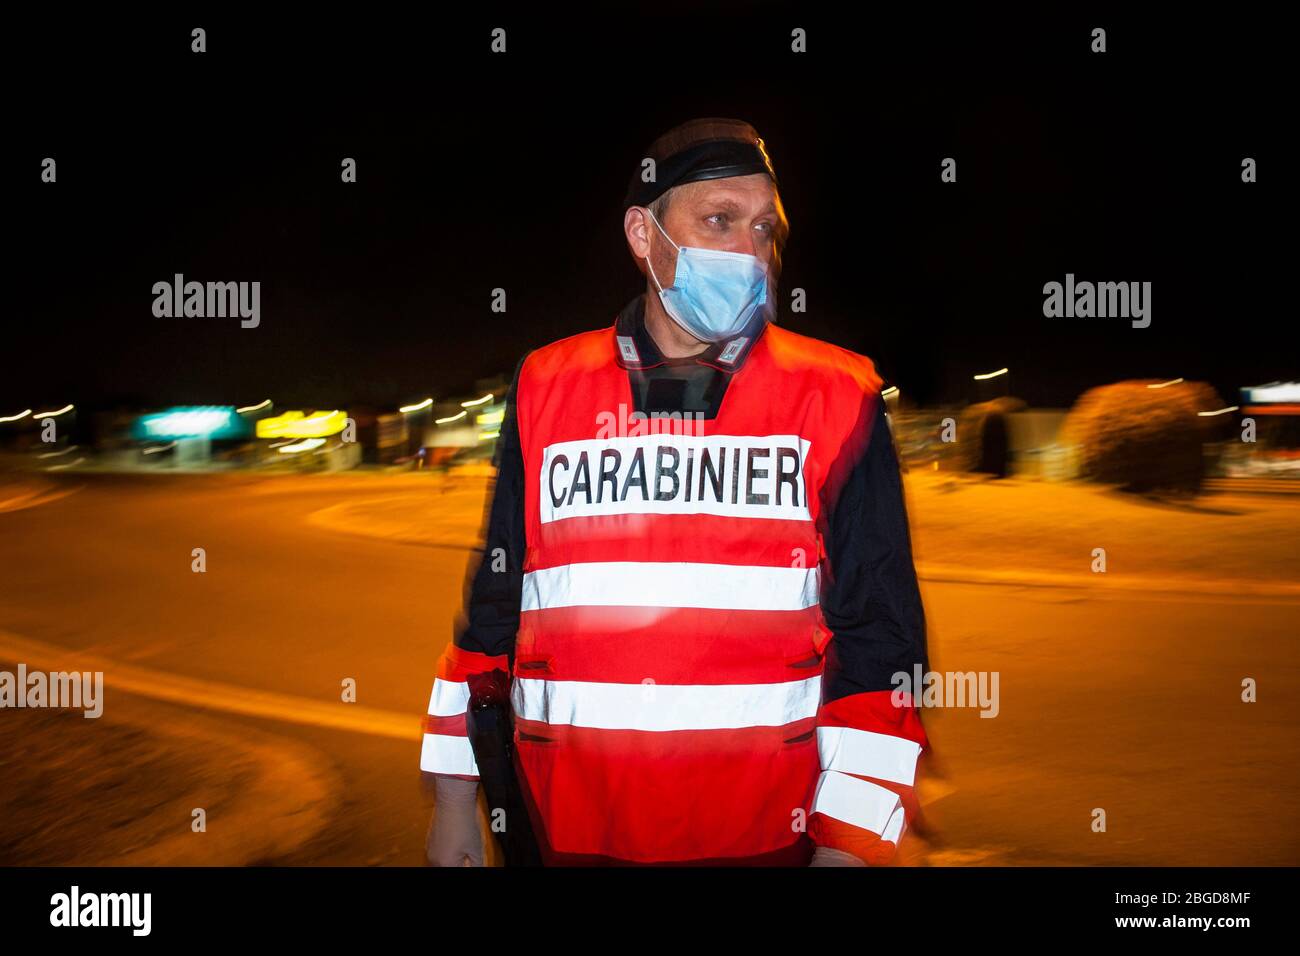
column 636, row 227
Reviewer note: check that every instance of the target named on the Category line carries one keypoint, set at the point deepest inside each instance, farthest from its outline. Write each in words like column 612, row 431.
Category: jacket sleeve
column 484, row 635
column 869, row 732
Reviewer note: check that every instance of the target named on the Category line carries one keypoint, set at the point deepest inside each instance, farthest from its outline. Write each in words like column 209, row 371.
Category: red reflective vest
column 669, row 661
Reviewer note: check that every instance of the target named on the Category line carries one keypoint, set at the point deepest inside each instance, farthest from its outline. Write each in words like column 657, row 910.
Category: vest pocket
column 534, row 665
column 808, row 660
column 524, row 737
column 821, row 634
column 811, row 656
column 808, row 736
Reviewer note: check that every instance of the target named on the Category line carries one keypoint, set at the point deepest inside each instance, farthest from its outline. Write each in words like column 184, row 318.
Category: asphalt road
column 1129, row 703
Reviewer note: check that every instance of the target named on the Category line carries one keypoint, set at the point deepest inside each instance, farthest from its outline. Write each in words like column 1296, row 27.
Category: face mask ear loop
column 647, row 258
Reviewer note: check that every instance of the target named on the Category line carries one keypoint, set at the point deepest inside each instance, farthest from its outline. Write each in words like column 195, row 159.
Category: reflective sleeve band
column 868, row 754
column 441, row 753
column 860, row 803
column 448, row 698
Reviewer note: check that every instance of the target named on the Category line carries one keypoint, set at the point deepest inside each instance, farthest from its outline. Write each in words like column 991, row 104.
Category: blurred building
column 999, row 437
column 309, row 440
column 1274, row 413
column 466, row 428
column 391, row 438
column 1034, row 445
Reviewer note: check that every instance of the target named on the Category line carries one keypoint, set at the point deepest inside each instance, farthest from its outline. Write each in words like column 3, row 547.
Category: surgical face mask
column 714, row 294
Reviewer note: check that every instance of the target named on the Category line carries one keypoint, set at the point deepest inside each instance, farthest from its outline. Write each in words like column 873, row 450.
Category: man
column 697, row 615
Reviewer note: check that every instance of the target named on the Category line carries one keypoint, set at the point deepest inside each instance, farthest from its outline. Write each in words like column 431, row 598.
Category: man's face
column 737, row 214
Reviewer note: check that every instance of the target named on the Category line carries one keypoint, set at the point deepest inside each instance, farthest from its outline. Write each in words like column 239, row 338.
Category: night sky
column 477, row 171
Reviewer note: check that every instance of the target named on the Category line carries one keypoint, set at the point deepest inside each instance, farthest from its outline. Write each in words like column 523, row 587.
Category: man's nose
column 748, row 245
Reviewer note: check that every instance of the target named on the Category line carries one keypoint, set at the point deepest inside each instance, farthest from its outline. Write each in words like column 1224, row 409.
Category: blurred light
column 1276, row 408
column 889, row 392
column 416, row 407
column 1272, row 392
column 56, row 454
column 1001, row 371
column 1165, row 384
column 307, row 444
column 14, row 418
column 199, row 421
column 157, row 448
column 296, row 424
column 477, row 401
column 491, row 418
column 57, row 411
column 453, row 418
column 253, row 408
column 1230, row 408
column 486, row 435
column 68, row 464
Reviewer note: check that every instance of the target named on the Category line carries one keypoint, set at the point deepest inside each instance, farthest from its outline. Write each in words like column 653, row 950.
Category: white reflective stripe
column 859, row 802
column 665, row 706
column 443, row 753
column 676, row 584
column 894, row 828
column 448, row 698
column 868, row 753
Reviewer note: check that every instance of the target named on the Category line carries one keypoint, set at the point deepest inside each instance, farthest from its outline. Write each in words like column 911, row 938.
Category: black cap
column 712, row 148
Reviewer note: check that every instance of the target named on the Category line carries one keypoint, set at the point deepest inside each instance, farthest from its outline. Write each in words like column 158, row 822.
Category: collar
column 635, row 349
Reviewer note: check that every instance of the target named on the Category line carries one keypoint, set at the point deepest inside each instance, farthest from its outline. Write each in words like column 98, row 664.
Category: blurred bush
column 1143, row 438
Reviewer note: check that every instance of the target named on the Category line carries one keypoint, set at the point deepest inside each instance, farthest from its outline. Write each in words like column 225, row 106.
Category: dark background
column 477, row 170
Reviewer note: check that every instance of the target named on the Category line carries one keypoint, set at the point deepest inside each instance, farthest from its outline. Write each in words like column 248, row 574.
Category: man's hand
column 829, row 856
column 454, row 838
